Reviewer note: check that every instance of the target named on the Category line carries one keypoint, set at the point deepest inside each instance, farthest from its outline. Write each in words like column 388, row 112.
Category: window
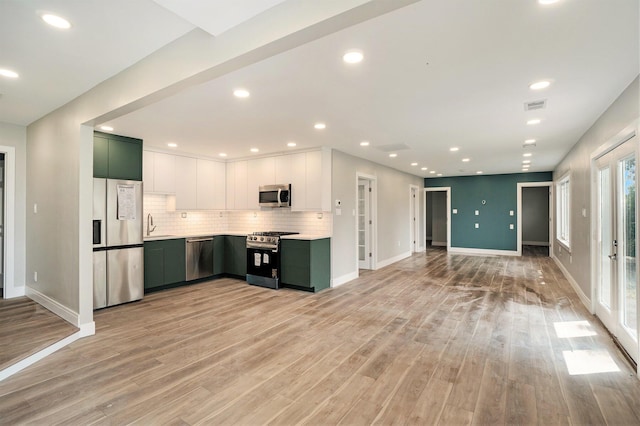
column 563, row 196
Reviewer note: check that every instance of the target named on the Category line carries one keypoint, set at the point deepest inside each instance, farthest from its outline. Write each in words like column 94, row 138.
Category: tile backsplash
column 196, row 222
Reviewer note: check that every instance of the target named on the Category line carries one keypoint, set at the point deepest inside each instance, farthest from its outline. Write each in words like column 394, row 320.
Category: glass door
column 616, row 262
column 364, row 224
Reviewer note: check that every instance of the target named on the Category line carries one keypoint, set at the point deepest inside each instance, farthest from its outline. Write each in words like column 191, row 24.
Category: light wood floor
column 433, row 339
column 26, row 328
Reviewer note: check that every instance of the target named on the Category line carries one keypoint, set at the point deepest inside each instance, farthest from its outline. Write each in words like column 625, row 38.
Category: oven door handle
column 255, row 245
column 279, row 197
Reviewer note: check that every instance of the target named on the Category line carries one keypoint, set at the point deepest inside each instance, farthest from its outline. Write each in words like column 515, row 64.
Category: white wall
column 16, row 137
column 392, row 224
column 621, row 114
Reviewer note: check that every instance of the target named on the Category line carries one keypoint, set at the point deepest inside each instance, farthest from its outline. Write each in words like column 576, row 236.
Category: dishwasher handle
column 197, row 240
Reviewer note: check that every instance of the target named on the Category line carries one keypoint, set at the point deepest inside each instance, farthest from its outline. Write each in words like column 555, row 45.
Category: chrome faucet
column 150, row 227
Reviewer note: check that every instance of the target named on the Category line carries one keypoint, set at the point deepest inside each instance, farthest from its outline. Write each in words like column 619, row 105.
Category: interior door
column 616, row 262
column 364, row 224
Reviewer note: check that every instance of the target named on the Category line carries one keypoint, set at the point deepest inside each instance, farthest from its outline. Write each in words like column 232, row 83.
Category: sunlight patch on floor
column 589, row 362
column 567, row 329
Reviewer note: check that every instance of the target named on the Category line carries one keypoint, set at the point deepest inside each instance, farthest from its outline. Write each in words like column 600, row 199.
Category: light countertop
column 161, row 237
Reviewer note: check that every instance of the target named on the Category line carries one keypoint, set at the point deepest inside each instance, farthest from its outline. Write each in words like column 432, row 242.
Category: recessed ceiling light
column 545, row 2
column 466, row 160
column 454, row 149
column 172, row 145
column 222, row 154
column 530, row 142
column 533, row 121
column 241, row 93
column 423, row 168
column 526, row 161
column 353, row 56
column 539, row 85
column 394, row 155
column 527, row 154
column 479, row 172
column 319, row 126
column 254, row 150
column 56, row 21
column 439, row 174
column 106, row 128
column 414, row 164
column 8, row 73
column 291, row 144
column 432, row 172
column 364, row 143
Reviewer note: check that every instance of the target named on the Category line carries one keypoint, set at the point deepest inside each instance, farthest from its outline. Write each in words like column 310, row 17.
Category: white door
column 413, row 219
column 616, row 245
column 364, row 224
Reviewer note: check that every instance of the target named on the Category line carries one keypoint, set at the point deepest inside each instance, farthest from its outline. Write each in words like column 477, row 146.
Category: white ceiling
column 436, row 74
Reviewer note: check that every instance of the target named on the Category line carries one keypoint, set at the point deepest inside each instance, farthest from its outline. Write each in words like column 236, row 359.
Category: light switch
column 510, row 212
column 477, row 212
column 511, row 226
column 35, row 207
column 477, row 225
column 455, row 211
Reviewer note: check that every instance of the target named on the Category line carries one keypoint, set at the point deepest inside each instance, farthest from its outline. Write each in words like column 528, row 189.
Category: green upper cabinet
column 117, row 157
column 100, row 156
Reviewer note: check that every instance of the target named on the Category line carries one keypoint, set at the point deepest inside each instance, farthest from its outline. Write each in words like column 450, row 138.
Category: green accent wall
column 501, row 195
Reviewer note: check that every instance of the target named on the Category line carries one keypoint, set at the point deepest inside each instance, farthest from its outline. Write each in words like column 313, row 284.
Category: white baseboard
column 421, row 249
column 338, row 281
column 482, row 252
column 439, row 243
column 54, row 306
column 15, row 291
column 88, row 329
column 583, row 297
column 30, row 360
column 387, row 262
column 536, row 243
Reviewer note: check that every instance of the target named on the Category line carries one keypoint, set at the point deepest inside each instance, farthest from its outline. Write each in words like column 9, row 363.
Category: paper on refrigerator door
column 127, row 206
column 257, row 257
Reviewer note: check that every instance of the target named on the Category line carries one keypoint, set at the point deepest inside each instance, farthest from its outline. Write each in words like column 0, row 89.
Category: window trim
column 563, row 211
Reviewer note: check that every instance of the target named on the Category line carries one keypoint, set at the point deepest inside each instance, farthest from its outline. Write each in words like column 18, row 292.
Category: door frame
column 10, row 289
column 623, row 136
column 521, row 186
column 414, row 214
column 446, row 189
column 373, row 215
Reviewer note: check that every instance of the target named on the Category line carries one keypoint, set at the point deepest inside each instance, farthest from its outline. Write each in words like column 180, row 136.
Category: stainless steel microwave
column 275, row 195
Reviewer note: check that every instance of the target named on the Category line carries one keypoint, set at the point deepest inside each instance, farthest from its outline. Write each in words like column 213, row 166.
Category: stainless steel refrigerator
column 118, row 254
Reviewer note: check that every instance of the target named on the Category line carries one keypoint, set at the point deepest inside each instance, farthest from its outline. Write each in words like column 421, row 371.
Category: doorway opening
column 437, row 218
column 615, row 244
column 535, row 230
column 1, row 224
column 7, row 224
column 365, row 220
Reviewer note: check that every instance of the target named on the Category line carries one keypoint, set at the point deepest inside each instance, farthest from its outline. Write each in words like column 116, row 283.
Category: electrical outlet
column 477, row 225
column 35, row 207
column 455, row 211
column 477, row 212
column 510, row 212
column 511, row 226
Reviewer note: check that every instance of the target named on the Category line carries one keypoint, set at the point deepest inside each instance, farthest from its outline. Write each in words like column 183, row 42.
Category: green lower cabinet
column 218, row 254
column 164, row 262
column 306, row 263
column 235, row 255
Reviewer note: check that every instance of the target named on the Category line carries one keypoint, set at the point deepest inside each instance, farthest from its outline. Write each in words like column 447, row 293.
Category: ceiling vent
column 393, row 147
column 531, row 106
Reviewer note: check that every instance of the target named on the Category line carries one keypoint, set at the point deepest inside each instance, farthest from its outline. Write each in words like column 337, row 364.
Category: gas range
column 263, row 258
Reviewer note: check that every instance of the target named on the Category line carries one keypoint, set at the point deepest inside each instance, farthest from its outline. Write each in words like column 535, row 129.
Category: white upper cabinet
column 186, row 183
column 283, row 169
column 261, row 171
column 159, row 172
column 236, row 185
column 210, row 185
column 309, row 174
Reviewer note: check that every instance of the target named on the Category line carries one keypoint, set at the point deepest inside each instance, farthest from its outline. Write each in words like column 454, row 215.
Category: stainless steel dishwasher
column 199, row 257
